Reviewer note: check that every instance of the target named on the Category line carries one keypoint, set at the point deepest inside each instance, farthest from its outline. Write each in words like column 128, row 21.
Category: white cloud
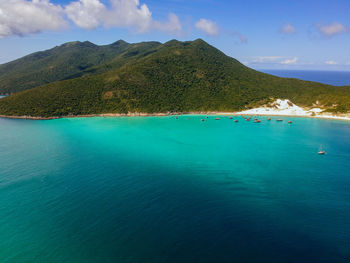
column 331, row 62
column 289, row 61
column 86, row 13
column 273, row 60
column 173, row 25
column 208, row 27
column 288, row 29
column 131, row 14
column 128, row 13
column 21, row 17
column 266, row 59
column 332, row 29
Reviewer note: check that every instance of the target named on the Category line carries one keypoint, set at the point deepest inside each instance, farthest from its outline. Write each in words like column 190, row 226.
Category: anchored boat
column 321, row 151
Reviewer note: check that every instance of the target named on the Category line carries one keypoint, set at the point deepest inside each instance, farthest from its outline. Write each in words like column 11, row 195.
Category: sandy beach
column 278, row 108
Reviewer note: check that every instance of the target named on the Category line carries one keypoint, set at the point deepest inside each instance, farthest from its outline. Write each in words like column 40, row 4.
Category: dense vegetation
column 176, row 76
column 70, row 60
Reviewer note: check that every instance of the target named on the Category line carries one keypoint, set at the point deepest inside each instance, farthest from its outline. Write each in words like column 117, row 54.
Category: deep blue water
column 157, row 189
column 337, row 78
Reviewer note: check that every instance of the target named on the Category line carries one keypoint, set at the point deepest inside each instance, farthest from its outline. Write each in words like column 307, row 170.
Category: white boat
column 321, row 151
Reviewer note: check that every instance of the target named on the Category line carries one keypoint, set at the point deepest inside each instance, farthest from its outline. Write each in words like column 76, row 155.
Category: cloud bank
column 289, row 61
column 272, row 60
column 22, row 17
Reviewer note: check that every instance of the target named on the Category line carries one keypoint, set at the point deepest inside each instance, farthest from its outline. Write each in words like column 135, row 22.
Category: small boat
column 235, row 121
column 176, row 117
column 289, row 122
column 279, row 120
column 321, row 151
column 257, row 121
column 269, row 119
column 230, row 118
column 217, row 119
column 202, row 119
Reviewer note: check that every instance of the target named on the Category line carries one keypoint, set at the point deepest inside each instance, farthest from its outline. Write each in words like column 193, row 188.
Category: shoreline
column 213, row 113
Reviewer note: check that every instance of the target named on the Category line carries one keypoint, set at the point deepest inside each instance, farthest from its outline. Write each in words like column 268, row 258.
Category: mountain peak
column 199, row 40
column 120, row 42
column 173, row 42
column 71, row 43
column 78, row 43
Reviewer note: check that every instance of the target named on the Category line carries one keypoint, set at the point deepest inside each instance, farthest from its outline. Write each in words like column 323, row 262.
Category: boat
column 257, row 121
column 321, row 151
column 279, row 120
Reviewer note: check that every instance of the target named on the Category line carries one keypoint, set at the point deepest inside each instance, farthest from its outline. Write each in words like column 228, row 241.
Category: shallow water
column 157, row 189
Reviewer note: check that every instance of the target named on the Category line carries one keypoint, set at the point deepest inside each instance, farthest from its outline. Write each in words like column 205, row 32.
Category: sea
column 336, row 78
column 161, row 189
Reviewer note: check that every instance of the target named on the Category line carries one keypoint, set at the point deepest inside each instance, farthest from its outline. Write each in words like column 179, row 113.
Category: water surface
column 157, row 189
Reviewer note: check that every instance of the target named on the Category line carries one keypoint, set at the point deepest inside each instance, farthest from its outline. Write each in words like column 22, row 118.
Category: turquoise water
column 158, row 189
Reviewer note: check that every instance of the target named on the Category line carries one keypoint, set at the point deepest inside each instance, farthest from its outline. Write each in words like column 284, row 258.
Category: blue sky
column 269, row 34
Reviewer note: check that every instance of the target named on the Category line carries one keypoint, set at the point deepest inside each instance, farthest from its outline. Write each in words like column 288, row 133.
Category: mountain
column 67, row 61
column 175, row 76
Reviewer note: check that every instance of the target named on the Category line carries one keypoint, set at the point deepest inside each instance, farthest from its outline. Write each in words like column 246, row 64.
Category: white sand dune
column 287, row 108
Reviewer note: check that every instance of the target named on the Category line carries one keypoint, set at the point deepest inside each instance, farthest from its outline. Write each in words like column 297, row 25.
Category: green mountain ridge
column 152, row 77
column 70, row 60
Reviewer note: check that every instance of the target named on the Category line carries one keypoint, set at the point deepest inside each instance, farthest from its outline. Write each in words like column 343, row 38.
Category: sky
column 262, row 34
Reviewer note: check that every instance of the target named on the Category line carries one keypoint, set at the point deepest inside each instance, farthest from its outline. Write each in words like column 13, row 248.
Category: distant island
column 84, row 79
